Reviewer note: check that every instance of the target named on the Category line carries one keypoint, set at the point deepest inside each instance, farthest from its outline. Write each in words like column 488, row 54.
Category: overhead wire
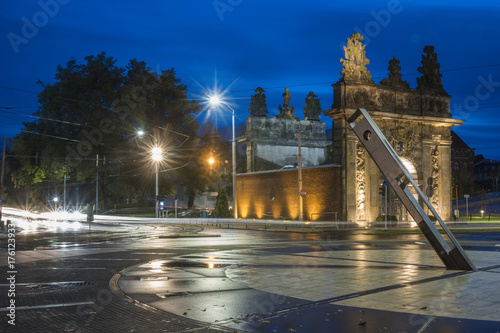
column 38, row 117
column 51, row 136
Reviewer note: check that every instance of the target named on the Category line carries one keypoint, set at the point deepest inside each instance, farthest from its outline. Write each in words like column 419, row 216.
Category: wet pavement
column 315, row 289
column 170, row 278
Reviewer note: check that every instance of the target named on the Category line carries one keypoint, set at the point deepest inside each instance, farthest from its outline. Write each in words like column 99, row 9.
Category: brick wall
column 274, row 194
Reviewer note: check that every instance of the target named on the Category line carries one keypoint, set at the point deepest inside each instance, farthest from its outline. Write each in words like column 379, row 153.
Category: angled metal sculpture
column 452, row 255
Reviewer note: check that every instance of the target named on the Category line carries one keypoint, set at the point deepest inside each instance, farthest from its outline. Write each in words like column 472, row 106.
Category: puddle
column 210, row 258
column 188, row 264
column 173, row 294
column 162, row 253
column 159, row 278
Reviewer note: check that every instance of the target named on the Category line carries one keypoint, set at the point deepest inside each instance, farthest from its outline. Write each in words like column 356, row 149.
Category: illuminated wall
column 274, row 194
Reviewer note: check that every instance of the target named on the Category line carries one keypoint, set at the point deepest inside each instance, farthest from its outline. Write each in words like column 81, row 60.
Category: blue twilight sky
column 245, row 44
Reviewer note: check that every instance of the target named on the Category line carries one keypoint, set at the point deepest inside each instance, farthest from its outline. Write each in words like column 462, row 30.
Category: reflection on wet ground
column 274, row 281
column 410, row 280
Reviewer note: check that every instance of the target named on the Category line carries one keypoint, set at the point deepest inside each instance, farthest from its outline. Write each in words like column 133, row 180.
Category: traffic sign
column 303, row 193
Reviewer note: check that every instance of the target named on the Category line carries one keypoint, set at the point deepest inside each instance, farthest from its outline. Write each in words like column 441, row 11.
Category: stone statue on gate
column 430, row 81
column 355, row 61
column 286, row 111
column 312, row 110
column 286, row 99
column 394, row 79
column 258, row 106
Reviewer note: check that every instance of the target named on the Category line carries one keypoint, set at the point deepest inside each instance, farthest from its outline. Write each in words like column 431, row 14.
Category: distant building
column 486, row 175
column 462, row 166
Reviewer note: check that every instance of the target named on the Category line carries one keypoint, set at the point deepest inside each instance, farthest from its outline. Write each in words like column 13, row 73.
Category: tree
column 221, row 208
column 89, row 118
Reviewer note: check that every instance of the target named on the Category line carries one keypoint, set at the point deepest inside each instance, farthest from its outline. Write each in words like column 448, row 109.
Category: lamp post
column 97, row 184
column 234, row 169
column 215, row 100
column 211, row 162
column 55, row 200
column 466, row 196
column 156, row 156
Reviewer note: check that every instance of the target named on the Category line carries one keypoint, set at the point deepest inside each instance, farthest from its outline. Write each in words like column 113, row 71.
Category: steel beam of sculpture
column 389, row 163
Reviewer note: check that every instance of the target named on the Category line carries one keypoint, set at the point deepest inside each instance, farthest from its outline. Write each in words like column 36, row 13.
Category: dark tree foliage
column 88, row 122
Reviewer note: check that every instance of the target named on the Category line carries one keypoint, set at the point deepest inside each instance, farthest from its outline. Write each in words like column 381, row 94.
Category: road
column 63, row 272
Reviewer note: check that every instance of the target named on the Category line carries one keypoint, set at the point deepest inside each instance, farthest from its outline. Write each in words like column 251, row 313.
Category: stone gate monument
column 416, row 121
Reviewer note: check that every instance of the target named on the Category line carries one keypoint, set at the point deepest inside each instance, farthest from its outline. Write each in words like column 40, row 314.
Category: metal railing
column 327, row 213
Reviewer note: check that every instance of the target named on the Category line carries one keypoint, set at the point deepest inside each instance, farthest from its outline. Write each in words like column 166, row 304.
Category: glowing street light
column 140, row 133
column 55, row 200
column 156, row 156
column 214, row 100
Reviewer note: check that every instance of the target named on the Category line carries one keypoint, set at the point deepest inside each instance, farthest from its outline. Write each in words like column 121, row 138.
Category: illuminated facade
column 417, row 122
column 274, row 194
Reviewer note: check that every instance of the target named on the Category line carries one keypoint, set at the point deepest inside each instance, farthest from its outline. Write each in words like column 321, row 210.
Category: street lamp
column 216, row 100
column 156, row 156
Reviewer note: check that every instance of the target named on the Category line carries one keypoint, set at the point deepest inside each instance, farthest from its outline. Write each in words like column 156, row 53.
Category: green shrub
column 221, row 208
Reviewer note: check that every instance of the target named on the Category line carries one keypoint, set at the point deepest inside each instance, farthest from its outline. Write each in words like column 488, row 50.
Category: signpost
column 466, row 196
